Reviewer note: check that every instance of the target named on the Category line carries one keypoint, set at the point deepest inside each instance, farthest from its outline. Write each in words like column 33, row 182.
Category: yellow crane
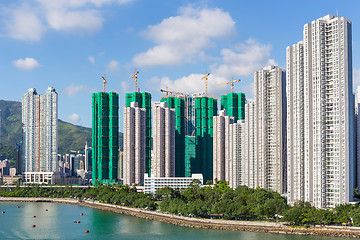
column 206, row 82
column 173, row 93
column 135, row 76
column 104, row 82
column 232, row 83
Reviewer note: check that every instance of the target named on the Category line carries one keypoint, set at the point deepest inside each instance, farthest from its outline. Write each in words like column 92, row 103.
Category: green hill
column 71, row 137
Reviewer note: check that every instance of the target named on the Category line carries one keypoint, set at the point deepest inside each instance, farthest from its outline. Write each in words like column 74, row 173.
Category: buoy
column 46, row 210
column 2, row 211
column 81, row 214
column 78, row 222
column 33, row 225
column 34, row 216
column 86, row 231
column 18, row 206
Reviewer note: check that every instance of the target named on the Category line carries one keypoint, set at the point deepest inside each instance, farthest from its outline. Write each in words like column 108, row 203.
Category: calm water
column 58, row 223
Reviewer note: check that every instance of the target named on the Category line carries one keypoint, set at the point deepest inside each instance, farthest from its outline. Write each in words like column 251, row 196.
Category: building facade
column 295, row 122
column 40, row 131
column 270, row 107
column 134, row 144
column 163, row 157
column 144, row 101
column 234, row 104
column 221, row 141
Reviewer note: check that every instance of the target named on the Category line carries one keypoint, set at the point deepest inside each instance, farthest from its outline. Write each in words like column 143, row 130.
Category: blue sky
column 70, row 44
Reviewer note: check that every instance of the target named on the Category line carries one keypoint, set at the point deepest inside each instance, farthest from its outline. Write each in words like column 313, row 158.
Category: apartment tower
column 270, row 138
column 163, row 154
column 135, row 144
column 329, row 163
column 40, row 132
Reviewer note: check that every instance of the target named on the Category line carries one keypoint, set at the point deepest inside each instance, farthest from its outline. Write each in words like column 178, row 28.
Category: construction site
column 193, row 125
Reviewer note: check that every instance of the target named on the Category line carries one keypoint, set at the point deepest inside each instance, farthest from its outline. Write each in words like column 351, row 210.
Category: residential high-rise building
column 234, row 104
column 144, row 101
column 357, row 107
column 179, row 104
column 105, row 137
column 270, row 139
column 135, row 144
column 205, row 110
column 251, row 172
column 236, row 161
column 163, row 159
column 221, row 141
column 40, row 143
column 328, row 171
column 295, row 122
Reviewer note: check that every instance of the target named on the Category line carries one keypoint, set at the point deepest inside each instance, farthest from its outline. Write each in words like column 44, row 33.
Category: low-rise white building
column 152, row 184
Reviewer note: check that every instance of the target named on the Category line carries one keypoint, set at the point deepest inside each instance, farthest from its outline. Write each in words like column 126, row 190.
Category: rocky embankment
column 253, row 226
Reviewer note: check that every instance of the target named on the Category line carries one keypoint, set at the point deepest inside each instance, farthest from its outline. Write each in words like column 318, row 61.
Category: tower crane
column 104, row 82
column 135, row 76
column 172, row 92
column 206, row 82
column 231, row 82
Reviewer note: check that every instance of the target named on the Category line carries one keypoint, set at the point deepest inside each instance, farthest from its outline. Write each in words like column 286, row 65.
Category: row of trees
column 219, row 200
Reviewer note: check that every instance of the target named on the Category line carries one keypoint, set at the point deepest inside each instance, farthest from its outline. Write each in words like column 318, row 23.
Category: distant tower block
column 234, row 104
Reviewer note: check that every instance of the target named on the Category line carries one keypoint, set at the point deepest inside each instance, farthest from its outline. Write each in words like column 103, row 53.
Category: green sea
column 58, row 223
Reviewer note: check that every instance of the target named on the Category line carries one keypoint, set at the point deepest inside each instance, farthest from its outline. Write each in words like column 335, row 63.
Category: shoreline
column 252, row 226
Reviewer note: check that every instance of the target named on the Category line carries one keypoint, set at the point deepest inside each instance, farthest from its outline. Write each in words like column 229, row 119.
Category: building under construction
column 205, row 110
column 234, row 104
column 105, row 137
column 144, row 101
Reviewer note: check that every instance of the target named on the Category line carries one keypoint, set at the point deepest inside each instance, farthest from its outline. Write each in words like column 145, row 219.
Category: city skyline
column 72, row 56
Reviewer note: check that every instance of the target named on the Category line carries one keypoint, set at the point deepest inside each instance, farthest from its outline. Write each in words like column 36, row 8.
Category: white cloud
column 26, row 63
column 182, row 38
column 88, row 21
column 356, row 78
column 112, row 66
column 29, row 21
column 244, row 60
column 23, row 23
column 92, row 59
column 73, row 89
column 75, row 118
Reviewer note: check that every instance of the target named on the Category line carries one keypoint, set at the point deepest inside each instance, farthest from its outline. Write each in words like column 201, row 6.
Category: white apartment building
column 221, row 146
column 270, row 108
column 40, row 121
column 163, row 153
column 251, row 173
column 134, row 145
column 236, row 160
column 328, row 171
column 295, row 122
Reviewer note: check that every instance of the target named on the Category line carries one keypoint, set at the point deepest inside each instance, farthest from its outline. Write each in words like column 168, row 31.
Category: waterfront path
column 254, row 226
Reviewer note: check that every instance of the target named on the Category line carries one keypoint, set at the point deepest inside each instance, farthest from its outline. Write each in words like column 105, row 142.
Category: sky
column 71, row 44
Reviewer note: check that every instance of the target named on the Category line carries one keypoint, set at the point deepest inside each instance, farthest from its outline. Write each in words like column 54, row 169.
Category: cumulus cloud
column 23, row 23
column 92, row 59
column 88, row 21
column 33, row 18
column 26, row 63
column 112, row 66
column 75, row 118
column 182, row 38
column 244, row 59
column 73, row 89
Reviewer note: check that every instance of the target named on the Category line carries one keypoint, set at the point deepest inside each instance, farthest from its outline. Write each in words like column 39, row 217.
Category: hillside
column 71, row 137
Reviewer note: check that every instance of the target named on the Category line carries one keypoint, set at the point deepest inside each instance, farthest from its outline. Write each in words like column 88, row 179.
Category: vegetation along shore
column 217, row 207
